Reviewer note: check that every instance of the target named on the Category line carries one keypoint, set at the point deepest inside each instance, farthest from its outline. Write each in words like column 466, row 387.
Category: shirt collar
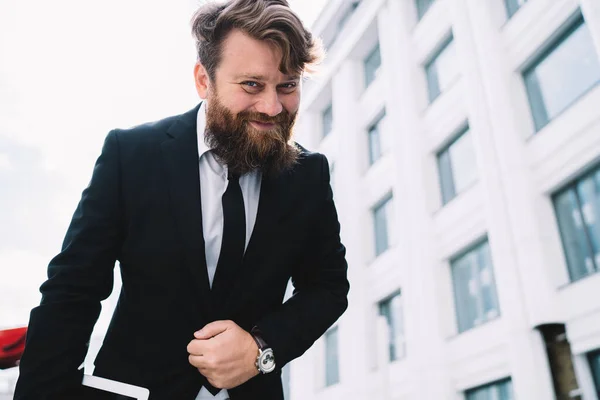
column 201, row 128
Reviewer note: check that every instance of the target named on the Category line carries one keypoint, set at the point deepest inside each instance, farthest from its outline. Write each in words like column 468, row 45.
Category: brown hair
column 270, row 20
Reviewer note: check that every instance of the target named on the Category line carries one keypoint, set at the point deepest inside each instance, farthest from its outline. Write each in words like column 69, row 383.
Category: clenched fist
column 224, row 353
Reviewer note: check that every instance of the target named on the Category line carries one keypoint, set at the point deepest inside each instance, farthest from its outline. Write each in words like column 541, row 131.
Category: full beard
column 243, row 148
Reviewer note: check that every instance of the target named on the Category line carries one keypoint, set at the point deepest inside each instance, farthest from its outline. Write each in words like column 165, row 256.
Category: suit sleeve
column 320, row 286
column 78, row 279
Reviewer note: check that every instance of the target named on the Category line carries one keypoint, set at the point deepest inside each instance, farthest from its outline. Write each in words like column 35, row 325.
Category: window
column 327, row 120
column 594, row 359
column 377, row 145
column 457, row 166
column 391, row 309
column 513, row 5
column 372, row 65
column 442, row 70
column 342, row 22
column 501, row 390
column 578, row 215
column 332, row 373
column 383, row 221
column 423, row 6
column 347, row 14
column 474, row 287
column 563, row 73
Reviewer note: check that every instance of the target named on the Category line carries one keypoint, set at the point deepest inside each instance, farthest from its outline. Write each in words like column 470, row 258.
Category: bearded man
column 210, row 214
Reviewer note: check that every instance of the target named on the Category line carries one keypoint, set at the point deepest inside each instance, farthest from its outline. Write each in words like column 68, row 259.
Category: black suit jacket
column 142, row 208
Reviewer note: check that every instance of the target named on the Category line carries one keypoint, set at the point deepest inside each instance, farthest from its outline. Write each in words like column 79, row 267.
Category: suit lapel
column 180, row 156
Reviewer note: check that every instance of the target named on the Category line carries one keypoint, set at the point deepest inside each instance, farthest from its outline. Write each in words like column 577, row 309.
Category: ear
column 202, row 80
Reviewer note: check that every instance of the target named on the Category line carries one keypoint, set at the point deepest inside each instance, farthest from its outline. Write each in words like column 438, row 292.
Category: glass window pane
column 588, row 190
column 457, row 167
column 564, row 74
column 513, row 5
column 447, row 66
column 391, row 309
column 331, row 357
column 432, row 81
column 377, row 141
column 372, row 66
column 464, row 165
column 374, row 145
column 327, row 120
column 572, row 231
column 381, row 216
column 423, row 6
column 594, row 359
column 442, row 71
column 495, row 391
column 474, row 288
column 489, row 298
column 446, row 179
column 390, row 214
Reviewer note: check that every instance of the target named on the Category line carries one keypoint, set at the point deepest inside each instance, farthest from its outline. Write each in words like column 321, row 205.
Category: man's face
column 252, row 106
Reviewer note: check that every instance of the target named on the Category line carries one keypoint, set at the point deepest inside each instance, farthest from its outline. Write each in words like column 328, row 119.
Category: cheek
column 291, row 103
column 235, row 101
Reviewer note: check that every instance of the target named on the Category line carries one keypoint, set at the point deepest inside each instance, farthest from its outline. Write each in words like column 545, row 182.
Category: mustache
column 278, row 119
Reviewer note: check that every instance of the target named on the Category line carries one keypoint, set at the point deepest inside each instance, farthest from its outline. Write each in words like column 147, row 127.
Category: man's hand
column 224, row 353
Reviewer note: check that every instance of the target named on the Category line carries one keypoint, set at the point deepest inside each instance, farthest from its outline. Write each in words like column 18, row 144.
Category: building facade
column 464, row 145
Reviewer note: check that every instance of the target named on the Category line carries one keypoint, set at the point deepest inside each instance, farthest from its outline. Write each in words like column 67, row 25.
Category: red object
column 12, row 345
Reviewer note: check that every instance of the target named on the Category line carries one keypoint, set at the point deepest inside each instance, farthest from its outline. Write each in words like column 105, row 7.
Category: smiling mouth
column 262, row 125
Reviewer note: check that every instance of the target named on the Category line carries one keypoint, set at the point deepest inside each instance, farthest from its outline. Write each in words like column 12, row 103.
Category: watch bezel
column 259, row 361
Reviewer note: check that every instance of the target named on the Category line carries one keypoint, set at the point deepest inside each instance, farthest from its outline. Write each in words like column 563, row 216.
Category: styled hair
column 269, row 20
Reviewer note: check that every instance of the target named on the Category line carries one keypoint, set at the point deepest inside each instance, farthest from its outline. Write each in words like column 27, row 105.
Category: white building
column 464, row 142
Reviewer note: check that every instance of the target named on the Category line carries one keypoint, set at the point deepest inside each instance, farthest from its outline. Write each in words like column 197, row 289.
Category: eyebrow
column 263, row 78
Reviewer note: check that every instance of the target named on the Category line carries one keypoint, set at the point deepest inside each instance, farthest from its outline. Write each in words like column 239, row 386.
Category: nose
column 269, row 104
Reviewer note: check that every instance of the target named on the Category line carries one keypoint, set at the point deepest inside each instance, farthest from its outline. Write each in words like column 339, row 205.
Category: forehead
column 244, row 56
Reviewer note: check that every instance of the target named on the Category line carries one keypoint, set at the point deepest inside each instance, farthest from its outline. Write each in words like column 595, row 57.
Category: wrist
column 265, row 361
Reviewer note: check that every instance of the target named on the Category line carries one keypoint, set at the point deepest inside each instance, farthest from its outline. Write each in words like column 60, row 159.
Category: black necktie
column 234, row 238
column 232, row 246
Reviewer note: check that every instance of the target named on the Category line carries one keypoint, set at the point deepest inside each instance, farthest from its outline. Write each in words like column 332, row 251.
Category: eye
column 288, row 87
column 251, row 87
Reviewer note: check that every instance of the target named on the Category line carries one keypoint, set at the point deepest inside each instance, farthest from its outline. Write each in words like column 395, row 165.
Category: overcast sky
column 70, row 71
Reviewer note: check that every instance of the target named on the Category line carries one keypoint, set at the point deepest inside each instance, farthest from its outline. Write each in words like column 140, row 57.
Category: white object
column 124, row 389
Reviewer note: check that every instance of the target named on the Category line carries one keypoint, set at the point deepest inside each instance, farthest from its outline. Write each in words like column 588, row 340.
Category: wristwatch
column 265, row 361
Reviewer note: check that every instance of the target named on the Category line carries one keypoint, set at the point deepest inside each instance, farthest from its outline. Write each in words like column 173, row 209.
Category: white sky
column 70, row 71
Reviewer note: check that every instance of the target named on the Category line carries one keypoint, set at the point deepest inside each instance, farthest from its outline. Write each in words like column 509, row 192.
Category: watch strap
column 257, row 335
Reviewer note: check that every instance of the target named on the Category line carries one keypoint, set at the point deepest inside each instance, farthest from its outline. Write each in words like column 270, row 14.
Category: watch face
column 266, row 361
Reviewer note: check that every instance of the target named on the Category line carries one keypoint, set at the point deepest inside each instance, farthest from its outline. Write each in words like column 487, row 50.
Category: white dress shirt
column 213, row 183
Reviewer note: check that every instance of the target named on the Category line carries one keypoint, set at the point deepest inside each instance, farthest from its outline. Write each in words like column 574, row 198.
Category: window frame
column 383, row 203
column 422, row 9
column 572, row 186
column 471, row 391
column 392, row 340
column 431, row 62
column 466, row 128
column 512, row 9
column 539, row 113
column 595, row 372
column 368, row 79
column 376, row 125
column 472, row 247
column 327, row 110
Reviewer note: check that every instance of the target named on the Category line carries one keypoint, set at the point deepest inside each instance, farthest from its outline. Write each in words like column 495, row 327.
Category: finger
column 198, row 362
column 213, row 329
column 198, row 347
